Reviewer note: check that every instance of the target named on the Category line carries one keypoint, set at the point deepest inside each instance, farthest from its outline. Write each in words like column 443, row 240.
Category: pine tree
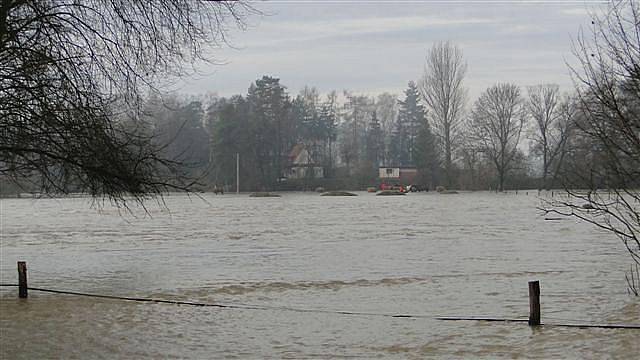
column 411, row 118
column 230, row 136
column 374, row 141
column 327, row 118
column 426, row 155
column 270, row 123
column 419, row 146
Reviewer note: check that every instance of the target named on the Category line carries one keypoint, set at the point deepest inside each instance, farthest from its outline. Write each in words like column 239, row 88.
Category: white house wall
column 389, row 173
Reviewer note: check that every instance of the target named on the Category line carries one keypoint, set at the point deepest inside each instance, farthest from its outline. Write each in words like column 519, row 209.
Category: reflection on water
column 469, row 254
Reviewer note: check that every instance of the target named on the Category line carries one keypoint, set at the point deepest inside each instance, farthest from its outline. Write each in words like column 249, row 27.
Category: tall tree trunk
column 545, row 169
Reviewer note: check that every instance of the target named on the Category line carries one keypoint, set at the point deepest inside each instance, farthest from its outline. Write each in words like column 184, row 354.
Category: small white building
column 391, row 174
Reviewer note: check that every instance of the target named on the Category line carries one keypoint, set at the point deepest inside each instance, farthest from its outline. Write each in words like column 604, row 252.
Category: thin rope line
column 221, row 305
column 321, row 311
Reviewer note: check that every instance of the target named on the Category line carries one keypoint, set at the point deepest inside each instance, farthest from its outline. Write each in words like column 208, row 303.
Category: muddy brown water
column 424, row 254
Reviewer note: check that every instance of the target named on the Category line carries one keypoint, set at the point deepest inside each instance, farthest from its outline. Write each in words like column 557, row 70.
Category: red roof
column 295, row 151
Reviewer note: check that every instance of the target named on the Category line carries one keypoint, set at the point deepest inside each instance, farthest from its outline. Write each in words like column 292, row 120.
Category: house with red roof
column 301, row 164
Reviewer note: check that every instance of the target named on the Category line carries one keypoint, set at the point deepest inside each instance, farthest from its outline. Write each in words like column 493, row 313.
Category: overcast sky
column 376, row 46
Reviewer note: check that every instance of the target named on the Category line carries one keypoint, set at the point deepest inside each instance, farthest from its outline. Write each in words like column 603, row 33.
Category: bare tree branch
column 443, row 92
column 608, row 128
column 72, row 79
column 497, row 119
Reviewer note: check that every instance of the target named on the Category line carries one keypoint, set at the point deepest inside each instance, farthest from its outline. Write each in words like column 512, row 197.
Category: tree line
column 507, row 138
column 74, row 121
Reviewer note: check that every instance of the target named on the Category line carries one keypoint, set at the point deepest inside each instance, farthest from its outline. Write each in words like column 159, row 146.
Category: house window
column 389, row 171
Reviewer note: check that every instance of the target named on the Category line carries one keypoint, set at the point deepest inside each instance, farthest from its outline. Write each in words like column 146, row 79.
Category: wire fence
column 556, row 321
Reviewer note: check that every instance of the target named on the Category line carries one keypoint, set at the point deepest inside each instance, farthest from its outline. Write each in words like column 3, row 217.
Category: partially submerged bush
column 338, row 193
column 263, row 194
column 390, row 192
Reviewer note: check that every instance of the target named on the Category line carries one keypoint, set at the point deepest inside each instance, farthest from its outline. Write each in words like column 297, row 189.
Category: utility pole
column 237, row 173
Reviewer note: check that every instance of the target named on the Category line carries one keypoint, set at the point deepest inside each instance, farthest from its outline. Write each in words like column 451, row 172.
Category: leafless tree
column 386, row 107
column 553, row 115
column 445, row 97
column 71, row 71
column 563, row 131
column 497, row 119
column 608, row 86
column 471, row 157
column 542, row 106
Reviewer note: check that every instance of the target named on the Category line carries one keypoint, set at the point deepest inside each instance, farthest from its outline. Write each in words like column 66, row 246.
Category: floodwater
column 425, row 254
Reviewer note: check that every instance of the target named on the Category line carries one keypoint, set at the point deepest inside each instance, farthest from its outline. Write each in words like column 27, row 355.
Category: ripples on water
column 426, row 254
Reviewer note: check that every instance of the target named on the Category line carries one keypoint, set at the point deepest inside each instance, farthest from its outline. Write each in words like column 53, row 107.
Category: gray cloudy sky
column 376, row 46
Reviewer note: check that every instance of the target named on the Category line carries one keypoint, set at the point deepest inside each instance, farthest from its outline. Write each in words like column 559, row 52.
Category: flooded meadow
column 319, row 277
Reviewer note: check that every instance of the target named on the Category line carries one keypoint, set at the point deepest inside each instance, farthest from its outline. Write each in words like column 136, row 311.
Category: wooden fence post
column 534, row 303
column 22, row 279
